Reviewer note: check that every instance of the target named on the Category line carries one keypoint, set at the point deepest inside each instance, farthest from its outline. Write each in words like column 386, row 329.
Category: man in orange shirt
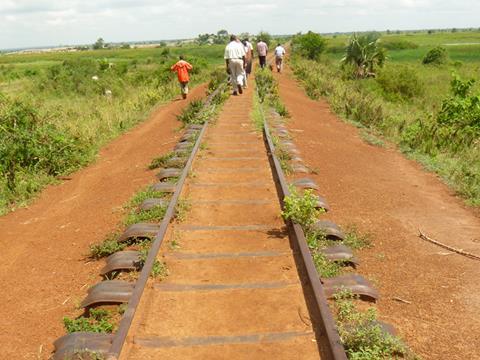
column 181, row 68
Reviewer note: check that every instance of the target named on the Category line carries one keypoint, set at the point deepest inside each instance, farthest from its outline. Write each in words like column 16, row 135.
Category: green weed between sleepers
column 360, row 332
column 99, row 321
column 362, row 335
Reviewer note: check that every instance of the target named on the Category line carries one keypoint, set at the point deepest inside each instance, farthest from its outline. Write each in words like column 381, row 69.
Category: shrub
column 400, row 82
column 301, row 208
column 27, row 141
column 364, row 52
column 362, row 335
column 309, row 45
column 436, row 56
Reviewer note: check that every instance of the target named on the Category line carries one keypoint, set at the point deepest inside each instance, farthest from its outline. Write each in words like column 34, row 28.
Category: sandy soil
column 390, row 197
column 43, row 267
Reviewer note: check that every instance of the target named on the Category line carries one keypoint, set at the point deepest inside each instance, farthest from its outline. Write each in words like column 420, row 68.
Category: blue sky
column 25, row 23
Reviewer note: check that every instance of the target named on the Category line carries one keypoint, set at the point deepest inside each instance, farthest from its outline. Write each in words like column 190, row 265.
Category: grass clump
column 108, row 247
column 143, row 195
column 356, row 240
column 161, row 161
column 182, row 209
column 325, row 267
column 154, row 215
column 371, row 139
column 362, row 335
column 99, row 321
column 191, row 113
column 257, row 113
column 400, row 82
column 159, row 269
column 283, row 157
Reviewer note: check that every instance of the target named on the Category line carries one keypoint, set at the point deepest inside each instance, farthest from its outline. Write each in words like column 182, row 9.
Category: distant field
column 57, row 109
column 469, row 52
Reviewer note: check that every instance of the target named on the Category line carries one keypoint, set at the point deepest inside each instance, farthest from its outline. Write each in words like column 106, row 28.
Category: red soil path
column 43, row 267
column 390, row 197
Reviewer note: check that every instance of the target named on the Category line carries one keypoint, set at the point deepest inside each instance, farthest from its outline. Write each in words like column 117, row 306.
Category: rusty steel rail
column 124, row 327
column 120, row 336
column 337, row 351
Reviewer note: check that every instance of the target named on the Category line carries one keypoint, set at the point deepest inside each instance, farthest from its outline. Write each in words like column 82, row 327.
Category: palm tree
column 364, row 52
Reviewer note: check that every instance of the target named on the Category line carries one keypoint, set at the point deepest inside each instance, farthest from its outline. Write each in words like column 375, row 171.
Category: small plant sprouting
column 356, row 240
column 161, row 161
column 147, row 193
column 325, row 267
column 99, row 321
column 301, row 209
column 181, row 210
column 107, row 247
column 159, row 269
column 362, row 335
column 153, row 215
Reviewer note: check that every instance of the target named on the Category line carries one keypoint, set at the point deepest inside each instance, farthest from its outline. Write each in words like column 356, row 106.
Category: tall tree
column 99, row 44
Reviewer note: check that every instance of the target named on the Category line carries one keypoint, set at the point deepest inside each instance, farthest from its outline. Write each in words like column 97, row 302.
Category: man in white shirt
column 279, row 54
column 235, row 62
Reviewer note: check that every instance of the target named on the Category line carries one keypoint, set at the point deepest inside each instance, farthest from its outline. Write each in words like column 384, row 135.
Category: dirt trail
column 43, row 270
column 233, row 289
column 390, row 197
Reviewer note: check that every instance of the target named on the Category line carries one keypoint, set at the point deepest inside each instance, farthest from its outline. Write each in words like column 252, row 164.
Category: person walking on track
column 235, row 62
column 248, row 59
column 262, row 50
column 182, row 68
column 279, row 54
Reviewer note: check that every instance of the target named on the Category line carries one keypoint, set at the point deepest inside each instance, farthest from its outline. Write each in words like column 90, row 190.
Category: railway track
column 241, row 281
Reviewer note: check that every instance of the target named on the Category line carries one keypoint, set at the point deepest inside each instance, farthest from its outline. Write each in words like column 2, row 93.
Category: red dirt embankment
column 43, row 267
column 390, row 197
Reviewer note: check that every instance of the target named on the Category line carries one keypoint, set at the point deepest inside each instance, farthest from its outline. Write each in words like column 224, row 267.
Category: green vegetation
column 431, row 115
column 436, row 56
column 360, row 332
column 309, row 45
column 153, row 215
column 58, row 109
column 267, row 90
column 106, row 248
column 159, row 269
column 161, row 161
column 400, row 82
column 364, row 53
column 182, row 209
column 362, row 335
column 301, row 208
column 99, row 321
column 199, row 111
